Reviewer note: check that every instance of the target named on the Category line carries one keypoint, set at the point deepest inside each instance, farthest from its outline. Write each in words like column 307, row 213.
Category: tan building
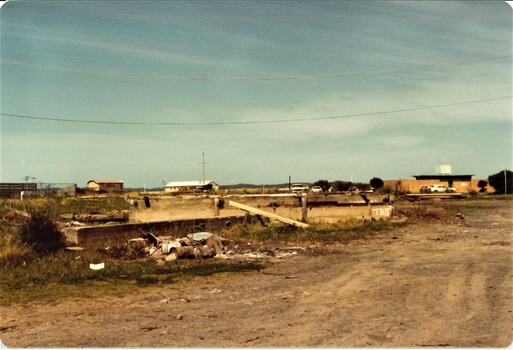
column 461, row 183
column 105, row 185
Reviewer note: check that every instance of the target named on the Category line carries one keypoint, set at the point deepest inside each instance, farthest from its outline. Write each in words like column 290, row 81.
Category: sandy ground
column 429, row 284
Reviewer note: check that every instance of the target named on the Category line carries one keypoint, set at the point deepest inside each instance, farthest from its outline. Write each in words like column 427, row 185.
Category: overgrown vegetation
column 12, row 250
column 28, row 230
column 320, row 233
column 93, row 206
column 33, row 265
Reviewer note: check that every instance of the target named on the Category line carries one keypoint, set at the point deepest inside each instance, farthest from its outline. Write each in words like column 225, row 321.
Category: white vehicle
column 299, row 188
column 317, row 189
column 437, row 188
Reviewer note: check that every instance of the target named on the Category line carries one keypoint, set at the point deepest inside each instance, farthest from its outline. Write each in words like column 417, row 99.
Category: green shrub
column 40, row 231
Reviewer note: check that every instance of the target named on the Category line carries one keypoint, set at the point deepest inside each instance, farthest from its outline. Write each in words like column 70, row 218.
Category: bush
column 500, row 180
column 482, row 185
column 40, row 231
column 376, row 183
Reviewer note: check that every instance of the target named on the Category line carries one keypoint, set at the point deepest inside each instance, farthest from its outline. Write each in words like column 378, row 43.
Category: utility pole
column 203, row 174
column 505, row 182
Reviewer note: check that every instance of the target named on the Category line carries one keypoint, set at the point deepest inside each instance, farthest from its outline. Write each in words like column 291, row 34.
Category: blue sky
column 178, row 79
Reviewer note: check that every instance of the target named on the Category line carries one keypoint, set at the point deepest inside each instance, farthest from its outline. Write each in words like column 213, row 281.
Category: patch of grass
column 93, row 205
column 12, row 250
column 320, row 233
column 64, row 275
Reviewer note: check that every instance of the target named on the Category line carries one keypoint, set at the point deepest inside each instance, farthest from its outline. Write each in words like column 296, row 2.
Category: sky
column 338, row 90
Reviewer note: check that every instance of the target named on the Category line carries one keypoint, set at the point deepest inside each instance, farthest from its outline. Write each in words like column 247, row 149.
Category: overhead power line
column 123, row 75
column 246, row 122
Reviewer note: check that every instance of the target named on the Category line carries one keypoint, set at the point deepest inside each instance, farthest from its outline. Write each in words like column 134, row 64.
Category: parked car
column 299, row 188
column 317, row 189
column 437, row 188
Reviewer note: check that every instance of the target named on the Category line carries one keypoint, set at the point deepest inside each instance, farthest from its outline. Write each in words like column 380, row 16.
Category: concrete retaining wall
column 103, row 235
column 194, row 207
column 332, row 214
column 179, row 216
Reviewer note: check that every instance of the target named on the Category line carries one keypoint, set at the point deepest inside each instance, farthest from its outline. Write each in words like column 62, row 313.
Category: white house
column 192, row 186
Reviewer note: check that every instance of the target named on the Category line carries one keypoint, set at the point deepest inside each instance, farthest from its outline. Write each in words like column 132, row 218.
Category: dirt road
column 429, row 284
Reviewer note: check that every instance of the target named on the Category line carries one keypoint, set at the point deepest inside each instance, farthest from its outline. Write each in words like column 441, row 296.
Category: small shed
column 105, row 185
column 191, row 186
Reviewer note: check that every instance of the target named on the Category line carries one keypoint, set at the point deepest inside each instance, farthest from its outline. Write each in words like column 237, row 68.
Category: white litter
column 97, row 266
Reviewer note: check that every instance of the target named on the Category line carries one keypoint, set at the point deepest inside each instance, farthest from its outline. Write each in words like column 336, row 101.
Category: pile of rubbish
column 194, row 246
column 202, row 245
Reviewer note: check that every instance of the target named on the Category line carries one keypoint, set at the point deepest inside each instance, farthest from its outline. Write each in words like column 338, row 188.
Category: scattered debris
column 4, row 328
column 181, row 253
column 74, row 223
column 168, row 245
column 249, row 340
column 194, row 246
column 201, row 245
column 74, row 249
column 200, row 236
column 97, row 266
column 291, row 277
column 137, row 243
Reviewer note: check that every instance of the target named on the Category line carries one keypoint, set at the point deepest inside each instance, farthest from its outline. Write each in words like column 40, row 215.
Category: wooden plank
column 267, row 214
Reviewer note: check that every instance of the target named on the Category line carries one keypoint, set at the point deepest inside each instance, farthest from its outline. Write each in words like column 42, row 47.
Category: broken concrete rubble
column 195, row 246
column 137, row 243
column 204, row 245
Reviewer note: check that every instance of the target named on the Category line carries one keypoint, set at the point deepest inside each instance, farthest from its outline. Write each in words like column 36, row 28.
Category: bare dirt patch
column 435, row 283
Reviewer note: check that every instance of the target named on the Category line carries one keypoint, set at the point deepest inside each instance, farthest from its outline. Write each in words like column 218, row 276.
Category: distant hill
column 222, row 187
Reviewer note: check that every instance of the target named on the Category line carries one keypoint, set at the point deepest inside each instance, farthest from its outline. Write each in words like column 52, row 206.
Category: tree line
column 502, row 182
